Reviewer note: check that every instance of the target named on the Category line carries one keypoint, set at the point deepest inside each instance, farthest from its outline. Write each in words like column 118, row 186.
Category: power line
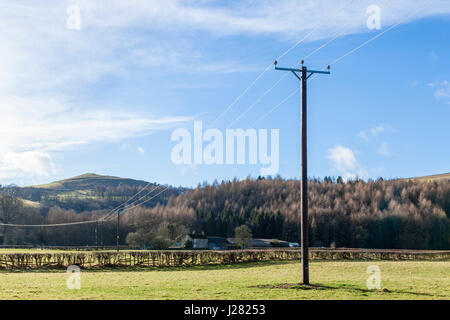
column 276, row 107
column 133, row 205
column 47, row 225
column 165, row 189
column 270, row 65
column 141, row 198
column 254, row 103
column 297, row 44
column 123, row 205
column 340, row 34
column 381, row 33
column 104, row 218
column 350, row 52
column 112, row 213
column 139, row 204
column 242, row 94
column 314, row 29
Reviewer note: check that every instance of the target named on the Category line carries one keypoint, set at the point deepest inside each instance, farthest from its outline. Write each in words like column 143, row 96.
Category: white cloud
column 140, row 150
column 34, row 129
column 51, row 125
column 26, row 164
column 384, row 149
column 343, row 158
column 442, row 91
column 38, row 50
column 344, row 162
column 43, row 64
column 374, row 131
column 245, row 17
column 362, row 135
column 377, row 130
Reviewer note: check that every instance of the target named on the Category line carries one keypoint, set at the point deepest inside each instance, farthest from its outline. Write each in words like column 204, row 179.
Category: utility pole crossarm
column 300, row 70
column 322, row 72
column 294, row 71
column 288, row 69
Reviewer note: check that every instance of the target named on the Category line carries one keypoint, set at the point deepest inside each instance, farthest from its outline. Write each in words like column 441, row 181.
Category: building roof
column 263, row 242
column 218, row 240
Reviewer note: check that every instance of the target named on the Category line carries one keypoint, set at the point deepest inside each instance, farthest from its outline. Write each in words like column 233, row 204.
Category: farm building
column 203, row 242
column 265, row 243
column 218, row 243
column 199, row 241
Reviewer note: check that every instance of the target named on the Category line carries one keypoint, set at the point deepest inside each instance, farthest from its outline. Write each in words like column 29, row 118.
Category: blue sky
column 106, row 97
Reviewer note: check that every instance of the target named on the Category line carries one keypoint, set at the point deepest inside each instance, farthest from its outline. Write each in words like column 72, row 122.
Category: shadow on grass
column 239, row 265
column 343, row 287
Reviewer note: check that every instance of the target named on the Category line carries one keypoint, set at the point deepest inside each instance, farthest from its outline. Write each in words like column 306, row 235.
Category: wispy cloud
column 374, row 135
column 44, row 65
column 442, row 91
column 40, row 53
column 374, row 131
column 140, row 150
column 38, row 49
column 383, row 149
column 362, row 135
column 244, row 17
column 36, row 128
column 377, row 130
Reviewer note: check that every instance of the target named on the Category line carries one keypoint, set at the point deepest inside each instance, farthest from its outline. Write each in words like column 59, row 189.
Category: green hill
column 90, row 192
column 89, row 181
column 27, row 203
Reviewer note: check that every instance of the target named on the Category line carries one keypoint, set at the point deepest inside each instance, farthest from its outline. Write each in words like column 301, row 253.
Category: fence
column 191, row 258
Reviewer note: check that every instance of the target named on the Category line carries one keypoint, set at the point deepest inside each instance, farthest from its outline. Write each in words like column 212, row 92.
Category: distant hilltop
column 92, row 191
column 442, row 176
column 89, row 181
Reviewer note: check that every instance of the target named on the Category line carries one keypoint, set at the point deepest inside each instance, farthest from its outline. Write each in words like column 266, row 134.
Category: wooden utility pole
column 96, row 235
column 304, row 75
column 117, row 233
column 304, row 194
column 101, row 234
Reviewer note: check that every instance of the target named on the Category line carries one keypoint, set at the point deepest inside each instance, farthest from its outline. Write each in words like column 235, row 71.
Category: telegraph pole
column 117, row 233
column 96, row 235
column 101, row 234
column 304, row 75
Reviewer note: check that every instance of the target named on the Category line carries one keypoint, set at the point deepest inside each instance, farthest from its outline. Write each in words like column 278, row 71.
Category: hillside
column 436, row 177
column 27, row 203
column 89, row 181
column 391, row 214
column 374, row 214
column 88, row 192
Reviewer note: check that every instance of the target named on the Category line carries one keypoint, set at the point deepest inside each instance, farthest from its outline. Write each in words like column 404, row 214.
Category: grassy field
column 46, row 250
column 270, row 280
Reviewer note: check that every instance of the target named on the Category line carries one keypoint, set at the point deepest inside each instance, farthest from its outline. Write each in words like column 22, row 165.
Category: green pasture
column 268, row 280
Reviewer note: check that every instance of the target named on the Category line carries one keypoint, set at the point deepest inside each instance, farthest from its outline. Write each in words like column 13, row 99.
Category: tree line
column 358, row 214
